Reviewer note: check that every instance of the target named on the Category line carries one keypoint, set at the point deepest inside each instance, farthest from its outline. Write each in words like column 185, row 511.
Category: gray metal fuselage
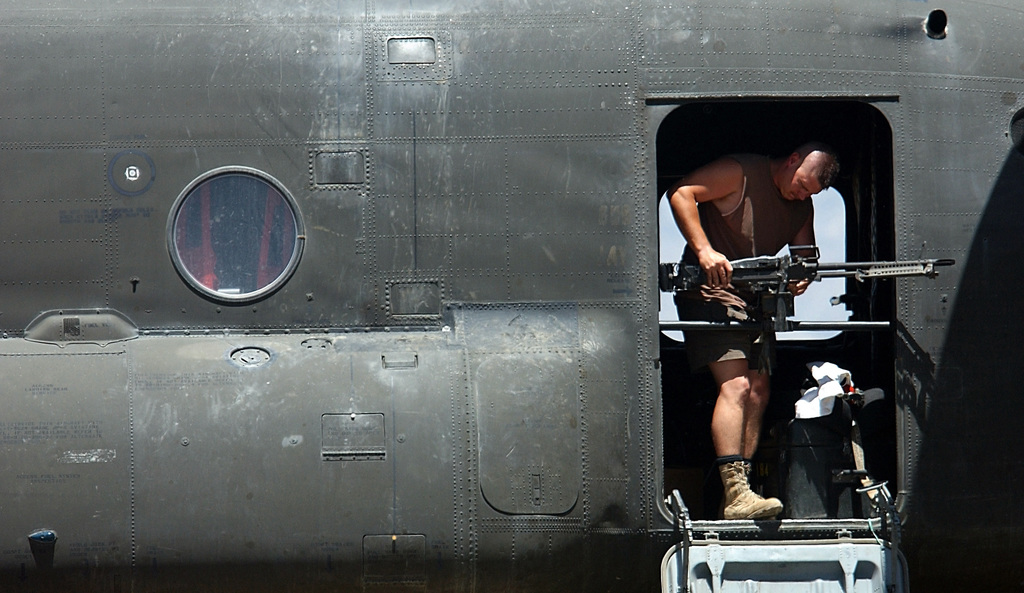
column 422, row 351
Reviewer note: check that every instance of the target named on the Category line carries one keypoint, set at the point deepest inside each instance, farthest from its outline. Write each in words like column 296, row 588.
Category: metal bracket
column 682, row 529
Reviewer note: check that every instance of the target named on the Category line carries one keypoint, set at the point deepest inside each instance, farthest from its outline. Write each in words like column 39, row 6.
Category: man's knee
column 736, row 389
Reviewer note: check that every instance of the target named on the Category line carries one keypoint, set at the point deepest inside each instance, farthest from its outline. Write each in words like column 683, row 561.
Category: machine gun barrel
column 883, row 269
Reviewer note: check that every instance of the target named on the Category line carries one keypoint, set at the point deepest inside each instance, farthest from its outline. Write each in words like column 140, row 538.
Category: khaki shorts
column 715, row 345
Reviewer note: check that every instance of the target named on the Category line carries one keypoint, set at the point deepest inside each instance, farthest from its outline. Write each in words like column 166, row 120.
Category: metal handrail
column 790, row 325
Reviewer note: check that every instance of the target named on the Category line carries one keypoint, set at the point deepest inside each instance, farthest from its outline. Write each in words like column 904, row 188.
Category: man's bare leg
column 742, row 396
column 753, row 412
column 729, row 419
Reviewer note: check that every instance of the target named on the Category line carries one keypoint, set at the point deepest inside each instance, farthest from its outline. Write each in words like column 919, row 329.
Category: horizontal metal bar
column 733, row 528
column 791, row 325
column 841, row 325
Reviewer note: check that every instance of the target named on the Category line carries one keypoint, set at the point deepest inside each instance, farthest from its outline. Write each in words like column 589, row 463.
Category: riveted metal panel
column 524, row 375
column 65, row 451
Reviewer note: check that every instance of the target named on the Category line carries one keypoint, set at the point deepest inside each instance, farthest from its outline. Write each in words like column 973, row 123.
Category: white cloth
column 818, row 401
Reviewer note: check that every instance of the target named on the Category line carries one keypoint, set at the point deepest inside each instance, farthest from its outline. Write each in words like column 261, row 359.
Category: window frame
column 188, row 275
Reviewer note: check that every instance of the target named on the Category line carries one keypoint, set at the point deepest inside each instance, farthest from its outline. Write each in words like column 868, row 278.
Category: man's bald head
column 823, row 160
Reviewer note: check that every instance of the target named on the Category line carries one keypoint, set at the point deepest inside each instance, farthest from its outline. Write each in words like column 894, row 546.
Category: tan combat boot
column 740, row 502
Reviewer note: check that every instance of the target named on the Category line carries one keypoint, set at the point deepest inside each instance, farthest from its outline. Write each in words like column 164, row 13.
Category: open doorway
column 698, row 132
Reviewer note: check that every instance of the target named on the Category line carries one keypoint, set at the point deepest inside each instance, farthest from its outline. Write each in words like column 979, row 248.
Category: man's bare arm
column 720, row 182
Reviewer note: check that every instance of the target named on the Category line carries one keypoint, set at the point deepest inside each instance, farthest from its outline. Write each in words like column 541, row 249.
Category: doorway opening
column 855, row 222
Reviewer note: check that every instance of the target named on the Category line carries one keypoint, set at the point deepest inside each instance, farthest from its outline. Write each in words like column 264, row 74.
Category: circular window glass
column 234, row 234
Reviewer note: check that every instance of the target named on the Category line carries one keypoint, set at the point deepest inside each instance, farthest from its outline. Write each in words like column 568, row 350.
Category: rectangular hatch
column 352, row 437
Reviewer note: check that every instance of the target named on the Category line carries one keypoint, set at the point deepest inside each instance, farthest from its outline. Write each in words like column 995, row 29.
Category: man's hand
column 798, row 287
column 716, row 266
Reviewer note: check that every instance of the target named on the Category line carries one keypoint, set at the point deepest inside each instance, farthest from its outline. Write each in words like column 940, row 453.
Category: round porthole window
column 235, row 234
